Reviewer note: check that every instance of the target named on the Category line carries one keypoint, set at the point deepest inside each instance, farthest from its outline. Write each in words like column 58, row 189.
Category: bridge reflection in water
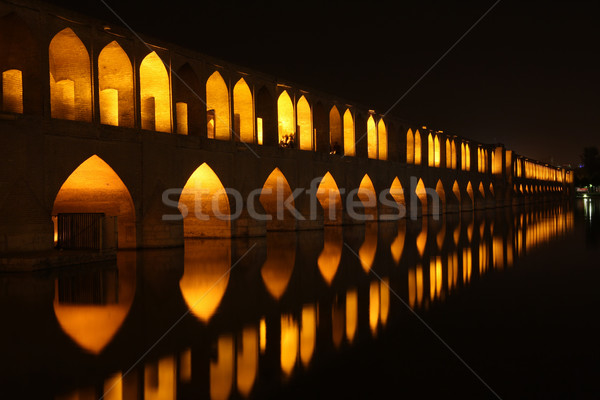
column 259, row 311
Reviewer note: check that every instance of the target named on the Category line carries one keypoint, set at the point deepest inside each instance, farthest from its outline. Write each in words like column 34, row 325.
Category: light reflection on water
column 293, row 299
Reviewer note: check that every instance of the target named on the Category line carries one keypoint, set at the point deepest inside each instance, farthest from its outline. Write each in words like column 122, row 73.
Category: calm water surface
column 507, row 303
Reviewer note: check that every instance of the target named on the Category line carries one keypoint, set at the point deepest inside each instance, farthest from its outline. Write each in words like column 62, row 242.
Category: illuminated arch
column 470, row 192
column 335, row 129
column 285, row 114
column 305, row 133
column 410, row 147
column 467, row 157
column 277, row 270
column 430, row 152
column 481, row 189
column 454, row 157
column 383, row 140
column 243, row 120
column 19, row 82
column 95, row 188
column 417, row 148
column 329, row 259
column 330, row 199
column 93, row 324
column 217, row 106
column 349, row 145
column 274, row 192
column 372, row 141
column 204, row 205
column 368, row 197
column 205, row 276
column 441, row 206
column 492, row 189
column 397, row 192
column 437, row 151
column 70, row 80
column 456, row 191
column 155, row 94
column 448, row 154
column 421, row 193
column 115, row 78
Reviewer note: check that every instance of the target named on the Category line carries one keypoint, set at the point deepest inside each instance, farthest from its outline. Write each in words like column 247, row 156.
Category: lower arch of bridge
column 438, row 207
column 422, row 195
column 470, row 193
column 205, row 276
column 456, row 191
column 492, row 189
column 204, row 205
column 273, row 195
column 94, row 187
column 368, row 198
column 397, row 192
column 481, row 189
column 330, row 199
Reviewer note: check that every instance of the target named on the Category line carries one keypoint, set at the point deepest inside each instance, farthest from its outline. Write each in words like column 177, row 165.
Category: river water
column 495, row 304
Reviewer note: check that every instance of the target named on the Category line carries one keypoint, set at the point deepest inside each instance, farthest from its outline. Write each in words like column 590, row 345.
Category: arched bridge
column 93, row 121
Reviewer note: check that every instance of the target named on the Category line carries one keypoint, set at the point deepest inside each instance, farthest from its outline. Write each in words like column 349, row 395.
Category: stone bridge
column 93, row 120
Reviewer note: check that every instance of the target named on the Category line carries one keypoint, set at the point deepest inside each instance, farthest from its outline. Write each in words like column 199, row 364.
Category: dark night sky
column 526, row 76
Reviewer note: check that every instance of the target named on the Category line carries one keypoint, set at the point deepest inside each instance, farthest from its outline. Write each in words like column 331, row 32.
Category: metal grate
column 80, row 231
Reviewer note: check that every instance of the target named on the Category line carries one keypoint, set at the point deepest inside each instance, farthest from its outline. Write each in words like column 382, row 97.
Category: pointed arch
column 454, row 156
column 421, row 193
column 94, row 187
column 266, row 118
column 437, row 151
column 285, row 115
column 456, row 190
column 430, row 152
column 417, row 148
column 205, row 279
column 335, row 130
column 439, row 207
column 277, row 270
column 70, row 79
column 304, row 128
column 372, row 141
column 410, row 147
column 397, row 246
column 470, row 192
column 481, row 189
column 274, row 192
column 492, row 189
column 330, row 199
column 368, row 197
column 204, row 205
column 188, row 107
column 20, row 88
column 467, row 157
column 243, row 120
column 155, row 94
column 115, row 78
column 448, row 153
column 383, row 140
column 397, row 192
column 349, row 140
column 217, row 107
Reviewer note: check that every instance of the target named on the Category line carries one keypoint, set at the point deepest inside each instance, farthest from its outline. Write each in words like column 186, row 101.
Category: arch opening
column 115, row 77
column 383, row 140
column 417, row 148
column 275, row 191
column 330, row 199
column 94, row 187
column 410, row 147
column 285, row 117
column 155, row 94
column 304, row 128
column 368, row 198
column 421, row 193
column 70, row 80
column 439, row 206
column 217, row 107
column 243, row 120
column 335, row 131
column 372, row 140
column 349, row 141
column 204, row 205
